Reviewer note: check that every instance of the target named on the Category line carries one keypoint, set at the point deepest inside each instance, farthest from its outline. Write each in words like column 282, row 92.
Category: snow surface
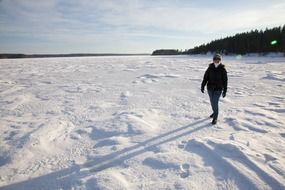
column 140, row 123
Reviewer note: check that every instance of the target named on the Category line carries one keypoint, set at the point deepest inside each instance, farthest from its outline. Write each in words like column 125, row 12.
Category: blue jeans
column 214, row 99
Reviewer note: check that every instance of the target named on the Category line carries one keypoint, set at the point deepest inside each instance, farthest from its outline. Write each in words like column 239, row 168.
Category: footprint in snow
column 182, row 144
column 124, row 97
column 185, row 170
column 269, row 158
column 232, row 137
column 158, row 164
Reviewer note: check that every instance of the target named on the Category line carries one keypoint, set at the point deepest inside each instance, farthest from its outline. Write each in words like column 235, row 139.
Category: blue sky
column 127, row 26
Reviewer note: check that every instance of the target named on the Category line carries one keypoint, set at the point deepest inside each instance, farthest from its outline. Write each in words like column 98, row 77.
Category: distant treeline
column 255, row 41
column 14, row 56
column 169, row 52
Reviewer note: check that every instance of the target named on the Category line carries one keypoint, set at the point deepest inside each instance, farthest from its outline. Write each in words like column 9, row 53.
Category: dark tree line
column 255, row 41
column 165, row 52
column 169, row 52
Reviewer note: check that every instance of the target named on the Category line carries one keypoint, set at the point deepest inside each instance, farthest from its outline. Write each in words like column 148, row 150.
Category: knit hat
column 217, row 56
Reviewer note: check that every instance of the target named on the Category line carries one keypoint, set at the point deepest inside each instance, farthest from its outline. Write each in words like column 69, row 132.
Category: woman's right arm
column 205, row 79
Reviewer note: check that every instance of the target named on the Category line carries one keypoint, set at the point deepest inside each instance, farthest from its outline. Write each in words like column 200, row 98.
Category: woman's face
column 216, row 60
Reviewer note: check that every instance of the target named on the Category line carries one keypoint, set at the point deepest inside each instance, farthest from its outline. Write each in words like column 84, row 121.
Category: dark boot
column 212, row 115
column 214, row 121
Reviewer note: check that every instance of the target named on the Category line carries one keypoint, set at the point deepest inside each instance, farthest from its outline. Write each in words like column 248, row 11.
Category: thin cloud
column 93, row 20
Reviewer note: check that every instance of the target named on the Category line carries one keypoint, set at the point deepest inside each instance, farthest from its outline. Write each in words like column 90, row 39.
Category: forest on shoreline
column 256, row 41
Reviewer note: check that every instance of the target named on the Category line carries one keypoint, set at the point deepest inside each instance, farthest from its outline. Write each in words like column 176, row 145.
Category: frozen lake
column 140, row 122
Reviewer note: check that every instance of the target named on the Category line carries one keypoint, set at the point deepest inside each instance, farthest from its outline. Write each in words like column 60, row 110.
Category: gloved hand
column 202, row 90
column 224, row 94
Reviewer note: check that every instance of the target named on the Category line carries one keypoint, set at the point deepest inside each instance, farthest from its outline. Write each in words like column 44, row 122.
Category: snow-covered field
column 140, row 122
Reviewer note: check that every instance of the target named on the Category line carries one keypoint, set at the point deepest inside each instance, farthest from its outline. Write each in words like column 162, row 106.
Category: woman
column 217, row 81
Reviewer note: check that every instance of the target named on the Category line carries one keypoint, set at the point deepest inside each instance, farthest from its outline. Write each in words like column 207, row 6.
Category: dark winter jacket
column 215, row 78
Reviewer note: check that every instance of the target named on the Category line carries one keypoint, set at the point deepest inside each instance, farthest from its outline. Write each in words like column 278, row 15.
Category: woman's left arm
column 225, row 80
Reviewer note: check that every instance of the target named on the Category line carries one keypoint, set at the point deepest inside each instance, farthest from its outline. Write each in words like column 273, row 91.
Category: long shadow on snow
column 69, row 177
column 240, row 157
column 216, row 158
column 222, row 168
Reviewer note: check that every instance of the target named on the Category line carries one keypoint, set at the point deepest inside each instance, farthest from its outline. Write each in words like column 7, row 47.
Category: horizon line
column 59, row 55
